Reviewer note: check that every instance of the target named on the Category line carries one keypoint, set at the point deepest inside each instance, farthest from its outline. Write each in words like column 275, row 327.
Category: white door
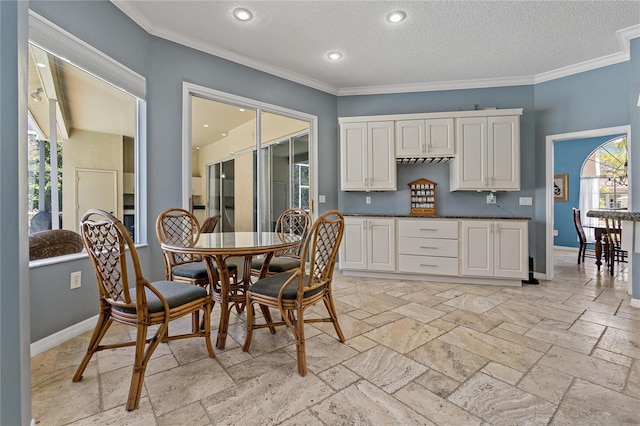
column 95, row 189
column 381, row 248
column 439, row 137
column 504, row 152
column 353, row 156
column 382, row 158
column 471, row 143
column 410, row 138
column 511, row 248
column 477, row 248
column 353, row 252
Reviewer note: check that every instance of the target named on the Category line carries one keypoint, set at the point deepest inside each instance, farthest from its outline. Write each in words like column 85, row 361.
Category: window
column 605, row 175
column 88, row 110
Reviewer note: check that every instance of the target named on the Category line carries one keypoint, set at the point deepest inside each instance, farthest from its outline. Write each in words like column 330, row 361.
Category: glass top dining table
column 215, row 248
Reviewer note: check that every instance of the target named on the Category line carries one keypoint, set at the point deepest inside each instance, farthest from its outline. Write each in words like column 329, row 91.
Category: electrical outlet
column 526, row 201
column 491, row 198
column 555, row 232
column 322, row 199
column 367, row 200
column 76, row 280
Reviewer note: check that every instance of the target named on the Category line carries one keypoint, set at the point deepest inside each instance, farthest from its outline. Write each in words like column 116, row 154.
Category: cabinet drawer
column 428, row 228
column 428, row 247
column 428, row 265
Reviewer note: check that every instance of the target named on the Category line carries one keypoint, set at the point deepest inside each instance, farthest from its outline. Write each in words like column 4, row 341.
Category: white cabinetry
column 368, row 244
column 428, row 246
column 494, row 248
column 424, row 138
column 488, row 154
column 367, row 156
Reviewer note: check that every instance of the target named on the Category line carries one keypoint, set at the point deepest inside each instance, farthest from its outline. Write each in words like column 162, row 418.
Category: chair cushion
column 176, row 293
column 278, row 264
column 270, row 286
column 196, row 270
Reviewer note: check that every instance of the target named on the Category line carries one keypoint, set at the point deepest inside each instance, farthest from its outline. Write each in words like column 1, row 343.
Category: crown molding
column 431, row 87
column 590, row 65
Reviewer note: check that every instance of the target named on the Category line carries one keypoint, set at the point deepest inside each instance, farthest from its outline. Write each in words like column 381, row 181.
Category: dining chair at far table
column 585, row 244
column 177, row 226
column 293, row 292
column 614, row 243
column 291, row 224
column 130, row 299
column 210, row 223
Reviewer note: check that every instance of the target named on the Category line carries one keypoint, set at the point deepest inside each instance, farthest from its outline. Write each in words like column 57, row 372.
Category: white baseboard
column 635, row 303
column 63, row 335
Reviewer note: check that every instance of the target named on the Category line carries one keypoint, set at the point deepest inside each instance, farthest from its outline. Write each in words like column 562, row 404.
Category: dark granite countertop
column 614, row 214
column 401, row 216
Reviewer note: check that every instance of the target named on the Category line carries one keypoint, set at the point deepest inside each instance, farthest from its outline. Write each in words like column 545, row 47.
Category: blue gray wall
column 634, row 108
column 568, row 158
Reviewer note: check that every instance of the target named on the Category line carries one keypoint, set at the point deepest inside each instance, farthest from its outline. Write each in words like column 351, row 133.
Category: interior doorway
column 551, row 140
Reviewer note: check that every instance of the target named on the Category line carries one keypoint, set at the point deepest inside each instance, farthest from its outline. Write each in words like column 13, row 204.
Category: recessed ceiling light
column 334, row 56
column 241, row 109
column 224, row 134
column 242, row 14
column 197, row 147
column 206, row 125
column 397, row 16
column 41, row 65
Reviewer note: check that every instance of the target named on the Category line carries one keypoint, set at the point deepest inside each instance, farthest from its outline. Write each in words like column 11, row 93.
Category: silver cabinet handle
column 428, row 229
column 431, row 248
column 431, row 266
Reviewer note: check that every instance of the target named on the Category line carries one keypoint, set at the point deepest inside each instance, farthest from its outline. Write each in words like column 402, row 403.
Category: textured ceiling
column 441, row 43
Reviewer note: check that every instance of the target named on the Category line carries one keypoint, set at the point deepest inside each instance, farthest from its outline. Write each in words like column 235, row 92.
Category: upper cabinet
column 367, row 156
column 482, row 148
column 488, row 154
column 424, row 138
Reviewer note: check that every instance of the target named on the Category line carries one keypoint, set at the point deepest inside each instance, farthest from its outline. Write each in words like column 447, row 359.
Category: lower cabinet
column 494, row 248
column 368, row 244
column 444, row 247
column 428, row 247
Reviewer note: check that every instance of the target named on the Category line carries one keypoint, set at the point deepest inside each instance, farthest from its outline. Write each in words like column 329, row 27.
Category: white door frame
column 550, row 139
column 191, row 89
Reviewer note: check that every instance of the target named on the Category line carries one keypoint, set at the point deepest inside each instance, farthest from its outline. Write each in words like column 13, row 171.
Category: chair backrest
column 177, row 226
column 614, row 231
column 210, row 224
column 577, row 221
column 321, row 248
column 54, row 242
column 291, row 224
column 108, row 242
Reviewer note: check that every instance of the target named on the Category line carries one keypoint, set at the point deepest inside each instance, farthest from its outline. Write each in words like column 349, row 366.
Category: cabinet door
column 410, row 138
column 382, row 158
column 470, row 168
column 353, row 250
column 504, row 152
column 439, row 137
column 511, row 249
column 353, row 156
column 381, row 248
column 477, row 248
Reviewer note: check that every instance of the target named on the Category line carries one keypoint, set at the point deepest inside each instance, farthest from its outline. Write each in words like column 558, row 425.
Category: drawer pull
column 431, row 266
column 431, row 248
column 428, row 229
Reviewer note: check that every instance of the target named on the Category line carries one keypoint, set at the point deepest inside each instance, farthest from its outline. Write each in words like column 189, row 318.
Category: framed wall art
column 560, row 187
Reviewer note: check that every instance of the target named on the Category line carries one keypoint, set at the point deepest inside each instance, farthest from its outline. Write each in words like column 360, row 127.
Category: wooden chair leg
column 331, row 308
column 102, row 325
column 301, row 353
column 207, row 329
column 250, row 314
column 141, row 360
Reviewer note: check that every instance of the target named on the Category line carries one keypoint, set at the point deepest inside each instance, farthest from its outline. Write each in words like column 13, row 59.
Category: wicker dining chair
column 293, row 292
column 614, row 243
column 586, row 247
column 292, row 223
column 132, row 300
column 210, row 223
column 180, row 227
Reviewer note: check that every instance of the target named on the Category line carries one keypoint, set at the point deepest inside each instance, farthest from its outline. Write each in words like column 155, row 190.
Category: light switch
column 368, row 199
column 526, row 201
column 322, row 199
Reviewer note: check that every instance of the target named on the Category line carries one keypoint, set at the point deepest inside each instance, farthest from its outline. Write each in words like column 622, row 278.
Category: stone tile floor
column 565, row 352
